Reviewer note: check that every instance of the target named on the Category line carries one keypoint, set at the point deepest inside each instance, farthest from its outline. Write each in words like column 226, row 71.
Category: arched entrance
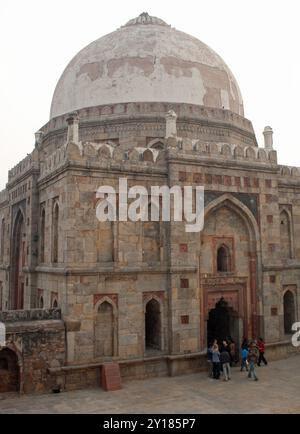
column 18, row 262
column 289, row 311
column 104, row 330
column 223, row 322
column 153, row 325
column 229, row 265
column 9, row 371
column 55, row 233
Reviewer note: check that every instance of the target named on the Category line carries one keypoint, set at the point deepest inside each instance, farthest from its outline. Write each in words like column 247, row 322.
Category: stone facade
column 35, row 342
column 142, row 294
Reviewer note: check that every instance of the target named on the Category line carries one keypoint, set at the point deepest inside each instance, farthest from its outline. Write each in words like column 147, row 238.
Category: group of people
column 222, row 357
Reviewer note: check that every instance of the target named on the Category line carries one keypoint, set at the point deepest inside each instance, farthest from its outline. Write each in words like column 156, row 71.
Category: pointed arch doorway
column 18, row 262
column 223, row 323
column 9, row 371
column 288, row 311
column 231, row 274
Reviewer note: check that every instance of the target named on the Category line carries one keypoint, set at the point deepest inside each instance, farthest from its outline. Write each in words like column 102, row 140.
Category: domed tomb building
column 160, row 108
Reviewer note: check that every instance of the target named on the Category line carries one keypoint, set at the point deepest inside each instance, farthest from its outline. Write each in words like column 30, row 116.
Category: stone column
column 171, row 129
column 268, row 135
column 73, row 128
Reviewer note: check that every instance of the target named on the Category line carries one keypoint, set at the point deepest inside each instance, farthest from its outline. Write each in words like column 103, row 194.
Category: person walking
column 216, row 361
column 225, row 362
column 261, row 349
column 244, row 364
column 252, row 359
column 224, row 347
column 209, row 361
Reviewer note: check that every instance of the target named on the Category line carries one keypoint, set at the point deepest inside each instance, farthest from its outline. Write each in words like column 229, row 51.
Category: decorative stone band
column 28, row 164
column 288, row 171
column 20, row 168
column 30, row 315
column 147, row 109
column 106, row 154
column 54, row 161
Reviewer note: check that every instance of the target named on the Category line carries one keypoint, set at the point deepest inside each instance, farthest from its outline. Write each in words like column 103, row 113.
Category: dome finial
column 145, row 18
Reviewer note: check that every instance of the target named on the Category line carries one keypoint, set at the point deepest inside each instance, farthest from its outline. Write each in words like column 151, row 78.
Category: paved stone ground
column 277, row 391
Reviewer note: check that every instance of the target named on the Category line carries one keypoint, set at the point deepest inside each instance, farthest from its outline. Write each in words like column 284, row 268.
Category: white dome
column 146, row 61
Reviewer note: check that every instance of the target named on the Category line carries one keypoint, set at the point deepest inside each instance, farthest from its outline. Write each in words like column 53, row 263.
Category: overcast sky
column 258, row 39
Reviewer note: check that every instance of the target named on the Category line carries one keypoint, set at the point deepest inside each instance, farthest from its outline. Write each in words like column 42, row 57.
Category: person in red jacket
column 261, row 349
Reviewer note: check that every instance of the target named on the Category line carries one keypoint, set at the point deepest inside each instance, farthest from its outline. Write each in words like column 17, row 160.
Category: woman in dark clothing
column 224, row 346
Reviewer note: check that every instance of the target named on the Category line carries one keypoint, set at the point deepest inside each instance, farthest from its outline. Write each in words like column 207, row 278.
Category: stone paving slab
column 277, row 391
